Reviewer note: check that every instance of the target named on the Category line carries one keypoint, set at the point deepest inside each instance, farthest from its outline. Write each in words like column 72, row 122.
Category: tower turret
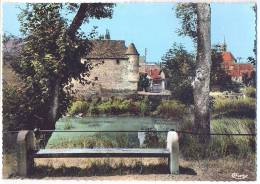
column 133, row 65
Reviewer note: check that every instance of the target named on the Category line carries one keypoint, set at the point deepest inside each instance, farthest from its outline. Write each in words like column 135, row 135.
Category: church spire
column 224, row 45
column 107, row 35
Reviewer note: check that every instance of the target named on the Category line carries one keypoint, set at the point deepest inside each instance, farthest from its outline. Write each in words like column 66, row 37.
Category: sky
column 153, row 26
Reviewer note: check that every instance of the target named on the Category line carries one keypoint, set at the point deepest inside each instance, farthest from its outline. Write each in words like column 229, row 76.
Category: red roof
column 235, row 69
column 227, row 57
column 245, row 66
column 155, row 74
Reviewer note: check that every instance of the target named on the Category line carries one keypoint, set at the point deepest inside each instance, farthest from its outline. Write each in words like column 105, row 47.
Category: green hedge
column 171, row 108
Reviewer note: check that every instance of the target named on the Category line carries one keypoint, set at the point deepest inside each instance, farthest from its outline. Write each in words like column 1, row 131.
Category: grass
column 241, row 108
column 249, row 92
column 68, row 125
column 221, row 146
column 98, row 167
column 144, row 168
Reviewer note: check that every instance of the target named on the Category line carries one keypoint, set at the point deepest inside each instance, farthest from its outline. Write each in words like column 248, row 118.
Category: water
column 75, row 139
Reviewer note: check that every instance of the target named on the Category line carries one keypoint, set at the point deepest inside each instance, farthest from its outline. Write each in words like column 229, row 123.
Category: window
column 118, row 61
column 96, row 78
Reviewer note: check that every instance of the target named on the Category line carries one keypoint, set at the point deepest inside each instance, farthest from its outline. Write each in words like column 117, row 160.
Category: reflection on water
column 109, row 139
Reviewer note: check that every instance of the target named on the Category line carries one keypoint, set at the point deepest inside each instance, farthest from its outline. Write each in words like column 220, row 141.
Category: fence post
column 173, row 147
column 25, row 144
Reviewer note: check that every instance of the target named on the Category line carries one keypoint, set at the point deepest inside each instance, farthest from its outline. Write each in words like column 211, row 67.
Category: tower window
column 117, row 61
column 96, row 78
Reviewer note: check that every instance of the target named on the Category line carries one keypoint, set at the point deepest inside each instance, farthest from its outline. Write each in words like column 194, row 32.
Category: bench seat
column 101, row 152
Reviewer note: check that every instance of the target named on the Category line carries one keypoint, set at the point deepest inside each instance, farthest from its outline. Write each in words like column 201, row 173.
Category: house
column 155, row 75
column 235, row 70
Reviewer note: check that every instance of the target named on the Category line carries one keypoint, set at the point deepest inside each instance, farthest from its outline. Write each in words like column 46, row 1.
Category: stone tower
column 133, row 66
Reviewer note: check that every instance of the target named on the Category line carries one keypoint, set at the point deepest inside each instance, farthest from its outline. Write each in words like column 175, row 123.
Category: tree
column 143, row 82
column 250, row 59
column 201, row 83
column 50, row 58
column 179, row 65
column 218, row 76
column 187, row 13
column 195, row 19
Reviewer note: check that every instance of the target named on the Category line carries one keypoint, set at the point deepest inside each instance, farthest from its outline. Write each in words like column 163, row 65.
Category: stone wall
column 110, row 77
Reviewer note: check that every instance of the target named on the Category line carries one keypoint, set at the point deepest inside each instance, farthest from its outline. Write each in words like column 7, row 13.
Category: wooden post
column 25, row 144
column 173, row 147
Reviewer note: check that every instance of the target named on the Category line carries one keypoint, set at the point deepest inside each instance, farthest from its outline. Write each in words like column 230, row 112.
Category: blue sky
column 153, row 26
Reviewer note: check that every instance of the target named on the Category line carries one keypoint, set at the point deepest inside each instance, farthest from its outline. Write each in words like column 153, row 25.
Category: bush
column 142, row 106
column 250, row 92
column 78, row 107
column 14, row 106
column 242, row 107
column 171, row 108
column 114, row 106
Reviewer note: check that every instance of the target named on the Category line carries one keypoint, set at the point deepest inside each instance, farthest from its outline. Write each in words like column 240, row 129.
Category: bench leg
column 25, row 143
column 173, row 147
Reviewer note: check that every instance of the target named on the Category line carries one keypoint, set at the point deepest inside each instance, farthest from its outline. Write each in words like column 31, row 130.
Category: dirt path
column 152, row 169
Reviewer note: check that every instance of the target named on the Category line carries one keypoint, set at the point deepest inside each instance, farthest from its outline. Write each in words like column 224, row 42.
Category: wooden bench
column 27, row 153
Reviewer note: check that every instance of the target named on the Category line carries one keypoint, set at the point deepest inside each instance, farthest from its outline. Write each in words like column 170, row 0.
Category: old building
column 235, row 70
column 116, row 72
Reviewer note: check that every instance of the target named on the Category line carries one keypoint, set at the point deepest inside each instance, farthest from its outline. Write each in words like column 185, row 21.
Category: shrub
column 171, row 108
column 250, row 92
column 114, row 106
column 242, row 107
column 78, row 107
column 142, row 106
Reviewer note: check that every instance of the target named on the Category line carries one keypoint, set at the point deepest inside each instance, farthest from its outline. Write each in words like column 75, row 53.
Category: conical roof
column 131, row 50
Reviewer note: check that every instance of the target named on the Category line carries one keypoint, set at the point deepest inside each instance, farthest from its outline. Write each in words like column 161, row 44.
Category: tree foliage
column 50, row 59
column 218, row 76
column 179, row 67
column 187, row 14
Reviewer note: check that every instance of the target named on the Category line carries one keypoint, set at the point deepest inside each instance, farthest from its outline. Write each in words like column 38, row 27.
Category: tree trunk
column 55, row 103
column 78, row 20
column 76, row 23
column 201, row 84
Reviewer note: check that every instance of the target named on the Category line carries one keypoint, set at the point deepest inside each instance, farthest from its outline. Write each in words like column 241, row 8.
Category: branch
column 78, row 20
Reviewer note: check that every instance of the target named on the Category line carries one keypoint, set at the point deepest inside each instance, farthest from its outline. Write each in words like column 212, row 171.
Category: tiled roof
column 235, row 69
column 102, row 49
column 131, row 50
column 227, row 57
column 246, row 66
